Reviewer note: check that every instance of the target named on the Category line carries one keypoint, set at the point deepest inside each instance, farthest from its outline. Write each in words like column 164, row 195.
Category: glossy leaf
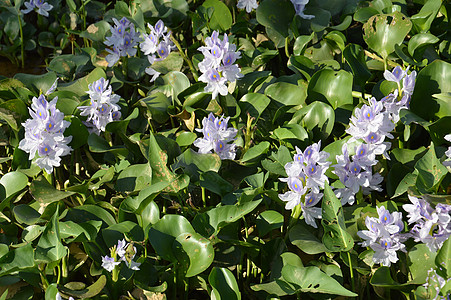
column 302, row 237
column 224, row 285
column 311, row 279
column 163, row 234
column 194, row 253
column 383, row 32
column 50, row 248
column 331, row 87
column 335, row 238
column 355, row 57
column 431, row 80
column 221, row 18
column 443, row 258
column 287, row 93
column 210, row 222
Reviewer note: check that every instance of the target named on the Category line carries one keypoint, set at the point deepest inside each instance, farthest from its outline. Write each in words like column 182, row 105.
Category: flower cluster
column 123, row 39
column 384, row 236
column 391, row 102
column 156, row 42
column 372, row 124
column 249, row 5
column 432, row 226
column 356, row 173
column 306, row 176
column 42, row 7
column 217, row 137
column 299, row 6
column 218, row 65
column 435, row 282
column 122, row 252
column 103, row 107
column 44, row 133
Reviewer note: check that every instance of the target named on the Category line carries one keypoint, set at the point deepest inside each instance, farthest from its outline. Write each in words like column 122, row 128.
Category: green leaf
column 224, row 285
column 430, row 171
column 301, row 43
column 88, row 212
column 302, row 237
column 443, row 258
column 194, row 253
column 433, row 79
column 186, row 138
column 163, row 234
column 17, row 259
column 98, row 144
column 37, row 83
column 96, row 32
column 50, row 248
column 134, row 178
column 254, row 104
column 80, row 86
column 383, row 32
column 421, row 40
column 276, row 15
column 157, row 106
column 12, row 182
column 423, row 19
column 221, row 18
column 45, row 193
column 210, row 222
column 89, row 292
column 317, row 117
column 25, row 214
column 78, row 132
column 421, row 260
column 178, row 81
column 194, row 163
column 355, row 57
column 213, row 182
column 278, row 160
column 287, row 93
column 335, row 238
column 267, row 221
column 173, row 62
column 331, row 87
column 255, row 151
column 160, row 172
column 311, row 279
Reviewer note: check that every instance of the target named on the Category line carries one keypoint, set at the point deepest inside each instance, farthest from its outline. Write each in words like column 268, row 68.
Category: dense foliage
column 228, row 149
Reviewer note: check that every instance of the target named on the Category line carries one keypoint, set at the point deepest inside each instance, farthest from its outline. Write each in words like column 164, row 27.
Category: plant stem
column 185, row 57
column 351, row 271
column 356, row 94
column 22, row 51
column 204, row 198
column 287, row 53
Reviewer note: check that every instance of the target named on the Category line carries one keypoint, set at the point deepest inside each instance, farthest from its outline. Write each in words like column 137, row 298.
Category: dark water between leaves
column 9, row 69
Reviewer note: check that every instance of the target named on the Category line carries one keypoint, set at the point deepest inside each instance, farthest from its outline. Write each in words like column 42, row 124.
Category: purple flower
column 249, row 5
column 432, row 226
column 384, row 236
column 306, row 175
column 108, row 263
column 218, row 65
column 157, row 42
column 42, row 7
column 103, row 107
column 217, row 137
column 44, row 140
column 396, row 75
column 299, row 6
column 123, row 40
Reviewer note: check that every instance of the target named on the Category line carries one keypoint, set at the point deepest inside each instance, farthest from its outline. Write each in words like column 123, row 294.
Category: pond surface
column 32, row 66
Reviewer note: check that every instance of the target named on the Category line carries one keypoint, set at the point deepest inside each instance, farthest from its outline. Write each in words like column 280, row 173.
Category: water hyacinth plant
column 269, row 149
